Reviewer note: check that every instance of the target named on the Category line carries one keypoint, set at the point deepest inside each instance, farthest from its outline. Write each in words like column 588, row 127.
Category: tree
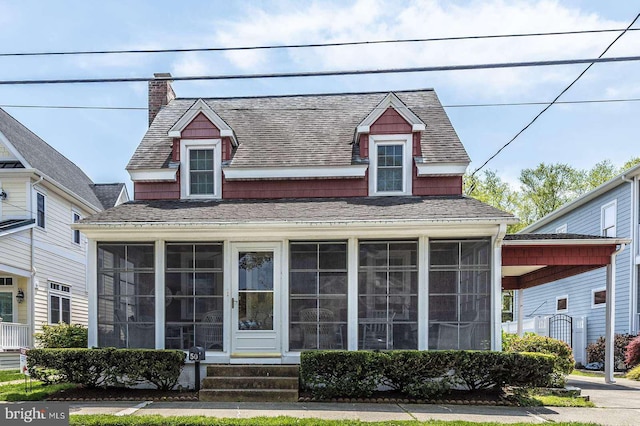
column 547, row 187
column 629, row 164
column 597, row 175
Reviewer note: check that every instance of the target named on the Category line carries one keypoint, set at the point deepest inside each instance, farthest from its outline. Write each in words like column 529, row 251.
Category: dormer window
column 390, row 164
column 200, row 168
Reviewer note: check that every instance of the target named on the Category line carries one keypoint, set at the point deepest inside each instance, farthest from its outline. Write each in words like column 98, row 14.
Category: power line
column 554, row 100
column 309, row 45
column 326, row 73
column 481, row 105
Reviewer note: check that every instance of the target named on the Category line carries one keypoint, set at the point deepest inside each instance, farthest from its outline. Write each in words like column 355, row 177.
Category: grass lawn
column 593, row 374
column 110, row 420
column 9, row 375
column 562, row 401
column 38, row 391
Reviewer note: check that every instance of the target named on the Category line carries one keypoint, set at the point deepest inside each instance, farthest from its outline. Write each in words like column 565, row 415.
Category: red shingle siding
column 156, row 191
column 543, row 255
column 390, row 123
column 364, row 146
column 200, row 128
column 311, row 188
column 227, row 149
column 436, row 185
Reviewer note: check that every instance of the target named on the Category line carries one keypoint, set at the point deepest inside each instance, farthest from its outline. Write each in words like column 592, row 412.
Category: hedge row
column 420, row 374
column 107, row 366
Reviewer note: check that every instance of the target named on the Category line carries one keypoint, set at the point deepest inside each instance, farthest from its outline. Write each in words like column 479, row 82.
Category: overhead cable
column 326, row 73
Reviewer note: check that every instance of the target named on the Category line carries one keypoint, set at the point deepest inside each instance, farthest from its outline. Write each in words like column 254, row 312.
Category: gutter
column 34, row 279
column 610, row 317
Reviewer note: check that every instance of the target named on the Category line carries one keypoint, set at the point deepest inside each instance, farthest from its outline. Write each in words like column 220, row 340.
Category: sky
column 102, row 141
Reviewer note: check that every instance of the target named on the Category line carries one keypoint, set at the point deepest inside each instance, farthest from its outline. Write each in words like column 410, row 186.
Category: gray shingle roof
column 41, row 156
column 301, row 130
column 108, row 193
column 563, row 236
column 303, row 210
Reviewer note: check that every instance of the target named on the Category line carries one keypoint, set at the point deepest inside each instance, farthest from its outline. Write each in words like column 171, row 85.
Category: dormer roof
column 201, row 107
column 302, row 130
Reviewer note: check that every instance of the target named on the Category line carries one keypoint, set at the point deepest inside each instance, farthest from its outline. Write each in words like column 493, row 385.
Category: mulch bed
column 121, row 394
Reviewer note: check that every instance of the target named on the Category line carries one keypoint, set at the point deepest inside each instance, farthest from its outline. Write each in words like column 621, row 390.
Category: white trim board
column 358, row 170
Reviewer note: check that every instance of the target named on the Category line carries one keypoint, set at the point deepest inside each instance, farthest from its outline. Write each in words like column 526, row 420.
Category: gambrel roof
column 301, row 130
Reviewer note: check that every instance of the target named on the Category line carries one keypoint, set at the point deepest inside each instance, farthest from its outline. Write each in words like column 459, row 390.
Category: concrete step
column 248, row 395
column 242, row 370
column 250, row 382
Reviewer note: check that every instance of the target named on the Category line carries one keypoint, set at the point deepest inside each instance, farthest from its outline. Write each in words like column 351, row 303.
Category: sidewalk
column 617, row 404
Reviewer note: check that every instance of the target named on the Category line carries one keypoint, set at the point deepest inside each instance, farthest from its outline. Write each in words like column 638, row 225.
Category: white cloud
column 376, row 20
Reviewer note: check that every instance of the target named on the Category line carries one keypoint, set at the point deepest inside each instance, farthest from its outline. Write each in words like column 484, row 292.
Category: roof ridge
column 294, row 95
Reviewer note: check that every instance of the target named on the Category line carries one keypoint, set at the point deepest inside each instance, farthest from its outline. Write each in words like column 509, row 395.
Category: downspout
column 610, row 316
column 33, row 286
column 496, row 323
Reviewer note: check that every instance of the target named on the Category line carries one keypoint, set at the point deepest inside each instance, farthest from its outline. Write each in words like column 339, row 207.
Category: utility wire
column 310, row 45
column 553, row 101
column 483, row 105
column 327, row 73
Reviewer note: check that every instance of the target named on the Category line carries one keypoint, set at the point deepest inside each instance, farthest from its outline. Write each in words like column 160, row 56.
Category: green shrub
column 634, row 373
column 419, row 374
column 595, row 350
column 331, row 374
column 62, row 336
column 533, row 343
column 107, row 366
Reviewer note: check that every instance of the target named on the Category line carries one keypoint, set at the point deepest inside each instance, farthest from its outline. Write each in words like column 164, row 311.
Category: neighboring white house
column 42, row 260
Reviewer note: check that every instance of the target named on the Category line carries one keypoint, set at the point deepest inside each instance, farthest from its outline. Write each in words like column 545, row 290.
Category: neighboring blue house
column 610, row 210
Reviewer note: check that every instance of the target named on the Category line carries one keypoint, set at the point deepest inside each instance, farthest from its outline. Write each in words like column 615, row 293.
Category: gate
column 561, row 328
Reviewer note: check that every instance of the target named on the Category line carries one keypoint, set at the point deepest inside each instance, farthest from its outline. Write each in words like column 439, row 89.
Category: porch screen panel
column 126, row 301
column 318, row 295
column 459, row 294
column 194, row 296
column 388, row 295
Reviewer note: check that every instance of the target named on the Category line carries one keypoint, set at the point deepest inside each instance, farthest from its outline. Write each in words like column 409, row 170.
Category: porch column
column 609, row 323
column 92, row 292
column 496, row 298
column 159, row 287
column 520, row 296
column 352, row 295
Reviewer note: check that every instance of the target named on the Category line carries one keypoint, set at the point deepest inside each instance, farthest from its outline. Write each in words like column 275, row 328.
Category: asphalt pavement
column 617, row 404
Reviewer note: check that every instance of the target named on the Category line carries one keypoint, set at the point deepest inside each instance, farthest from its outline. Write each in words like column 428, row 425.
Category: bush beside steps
column 422, row 375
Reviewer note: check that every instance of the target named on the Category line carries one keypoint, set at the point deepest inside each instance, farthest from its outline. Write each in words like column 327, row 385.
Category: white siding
column 5, row 154
column 586, row 220
column 15, row 206
column 15, row 250
column 60, row 260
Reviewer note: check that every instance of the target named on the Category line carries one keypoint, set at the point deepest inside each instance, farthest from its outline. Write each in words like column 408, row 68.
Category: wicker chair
column 318, row 329
column 211, row 327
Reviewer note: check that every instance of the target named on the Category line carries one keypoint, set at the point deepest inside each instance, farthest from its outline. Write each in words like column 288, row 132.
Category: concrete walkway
column 618, row 404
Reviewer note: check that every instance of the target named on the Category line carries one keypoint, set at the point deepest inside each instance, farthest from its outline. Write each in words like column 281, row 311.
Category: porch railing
column 13, row 336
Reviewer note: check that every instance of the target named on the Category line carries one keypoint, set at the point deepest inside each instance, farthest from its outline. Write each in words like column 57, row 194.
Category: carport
column 529, row 260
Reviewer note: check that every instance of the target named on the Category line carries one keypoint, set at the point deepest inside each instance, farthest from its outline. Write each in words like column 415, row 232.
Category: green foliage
column 329, row 374
column 632, row 352
column 595, row 350
column 9, row 375
column 421, row 374
column 542, row 189
column 564, row 361
column 62, row 336
column 634, row 373
column 107, row 366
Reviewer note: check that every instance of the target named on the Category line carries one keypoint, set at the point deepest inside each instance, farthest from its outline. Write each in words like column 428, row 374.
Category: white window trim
column 185, row 176
column 35, row 210
column 562, row 229
column 562, row 311
column 73, row 231
column 407, row 142
column 613, row 204
column 60, row 294
column 593, row 296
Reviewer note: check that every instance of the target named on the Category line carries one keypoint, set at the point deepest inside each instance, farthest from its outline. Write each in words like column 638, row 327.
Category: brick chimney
column 160, row 93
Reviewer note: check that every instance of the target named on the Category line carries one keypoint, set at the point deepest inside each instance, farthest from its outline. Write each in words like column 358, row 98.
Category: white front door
column 255, row 295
